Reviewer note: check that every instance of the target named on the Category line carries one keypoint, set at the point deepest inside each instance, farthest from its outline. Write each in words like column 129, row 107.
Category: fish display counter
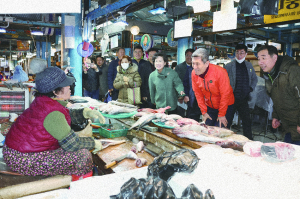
column 227, row 173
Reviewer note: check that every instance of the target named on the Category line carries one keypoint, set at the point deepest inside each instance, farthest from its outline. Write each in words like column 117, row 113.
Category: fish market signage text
column 287, row 10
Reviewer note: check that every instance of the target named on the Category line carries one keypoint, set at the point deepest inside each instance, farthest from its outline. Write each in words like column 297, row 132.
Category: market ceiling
column 251, row 26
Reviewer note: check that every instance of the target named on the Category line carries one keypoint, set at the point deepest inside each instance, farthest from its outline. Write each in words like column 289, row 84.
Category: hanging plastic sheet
column 259, row 96
column 107, row 97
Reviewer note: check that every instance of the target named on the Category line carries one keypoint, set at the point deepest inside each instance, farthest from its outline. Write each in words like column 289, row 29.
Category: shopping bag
column 134, row 95
column 107, row 97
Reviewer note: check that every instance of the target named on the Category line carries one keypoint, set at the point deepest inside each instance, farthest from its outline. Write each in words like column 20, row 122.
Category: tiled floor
column 261, row 132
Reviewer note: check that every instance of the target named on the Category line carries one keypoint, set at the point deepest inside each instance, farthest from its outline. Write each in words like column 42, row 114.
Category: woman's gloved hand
column 98, row 146
column 89, row 113
column 87, row 131
column 125, row 79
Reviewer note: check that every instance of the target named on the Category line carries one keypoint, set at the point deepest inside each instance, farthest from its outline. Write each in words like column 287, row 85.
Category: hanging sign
column 146, row 42
column 287, row 11
column 22, row 45
column 170, row 38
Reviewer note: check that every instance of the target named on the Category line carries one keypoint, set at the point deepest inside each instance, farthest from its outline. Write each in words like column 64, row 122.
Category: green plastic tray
column 162, row 124
column 110, row 133
column 120, row 116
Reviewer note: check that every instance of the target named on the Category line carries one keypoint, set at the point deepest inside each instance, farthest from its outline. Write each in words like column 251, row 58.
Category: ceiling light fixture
column 159, row 10
column 283, row 26
column 134, row 30
column 121, row 21
column 38, row 33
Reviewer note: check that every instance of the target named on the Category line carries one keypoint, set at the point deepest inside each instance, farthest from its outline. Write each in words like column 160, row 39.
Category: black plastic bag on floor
column 192, row 192
column 152, row 188
column 165, row 165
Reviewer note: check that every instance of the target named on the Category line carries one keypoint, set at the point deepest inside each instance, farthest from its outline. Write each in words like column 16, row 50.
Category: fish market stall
column 157, row 131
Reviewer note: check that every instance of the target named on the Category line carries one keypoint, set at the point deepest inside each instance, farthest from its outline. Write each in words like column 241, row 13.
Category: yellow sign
column 287, row 10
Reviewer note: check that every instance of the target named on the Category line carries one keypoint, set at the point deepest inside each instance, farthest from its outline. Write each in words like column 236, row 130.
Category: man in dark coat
column 282, row 75
column 103, row 85
column 112, row 73
column 90, row 79
column 243, row 80
column 144, row 71
column 151, row 52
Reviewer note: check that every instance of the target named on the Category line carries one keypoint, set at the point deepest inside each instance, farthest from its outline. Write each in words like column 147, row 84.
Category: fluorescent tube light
column 40, row 33
column 283, row 26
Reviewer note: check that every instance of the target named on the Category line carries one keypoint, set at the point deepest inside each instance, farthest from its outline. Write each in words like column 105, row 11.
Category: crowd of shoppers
column 209, row 90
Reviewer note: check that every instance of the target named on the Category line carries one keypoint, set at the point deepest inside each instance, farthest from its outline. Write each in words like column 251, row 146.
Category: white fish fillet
column 193, row 135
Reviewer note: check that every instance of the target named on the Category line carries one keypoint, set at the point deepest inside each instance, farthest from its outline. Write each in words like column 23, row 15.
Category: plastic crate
column 111, row 133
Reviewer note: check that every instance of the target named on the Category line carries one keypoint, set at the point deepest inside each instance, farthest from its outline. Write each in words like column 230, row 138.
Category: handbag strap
column 133, row 96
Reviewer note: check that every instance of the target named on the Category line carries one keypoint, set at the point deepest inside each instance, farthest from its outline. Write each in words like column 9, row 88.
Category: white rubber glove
column 98, row 146
column 89, row 113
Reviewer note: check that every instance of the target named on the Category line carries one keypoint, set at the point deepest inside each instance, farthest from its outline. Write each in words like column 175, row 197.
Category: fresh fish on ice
column 194, row 127
column 184, row 121
column 119, row 109
column 122, row 104
column 150, row 110
column 140, row 114
column 219, row 132
column 229, row 143
column 175, row 116
column 142, row 121
column 172, row 123
column 278, row 151
column 162, row 117
column 193, row 135
column 253, row 148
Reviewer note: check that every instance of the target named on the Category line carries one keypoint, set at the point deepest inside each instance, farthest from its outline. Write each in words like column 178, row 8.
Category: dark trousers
column 242, row 107
column 114, row 94
column 93, row 94
column 213, row 113
column 288, row 139
column 147, row 104
column 194, row 112
column 172, row 112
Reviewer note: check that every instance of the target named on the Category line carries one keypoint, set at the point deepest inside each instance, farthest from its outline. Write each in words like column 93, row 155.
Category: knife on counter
column 129, row 155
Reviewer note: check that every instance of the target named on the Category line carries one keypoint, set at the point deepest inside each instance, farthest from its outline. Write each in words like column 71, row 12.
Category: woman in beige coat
column 127, row 77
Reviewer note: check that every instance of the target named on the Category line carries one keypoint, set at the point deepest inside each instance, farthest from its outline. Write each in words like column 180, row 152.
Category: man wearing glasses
column 243, row 81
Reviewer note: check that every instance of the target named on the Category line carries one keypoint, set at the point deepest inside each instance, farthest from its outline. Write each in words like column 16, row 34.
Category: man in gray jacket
column 283, row 85
column 243, row 81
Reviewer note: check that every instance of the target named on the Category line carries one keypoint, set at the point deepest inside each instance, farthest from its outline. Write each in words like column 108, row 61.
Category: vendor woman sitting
column 41, row 141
